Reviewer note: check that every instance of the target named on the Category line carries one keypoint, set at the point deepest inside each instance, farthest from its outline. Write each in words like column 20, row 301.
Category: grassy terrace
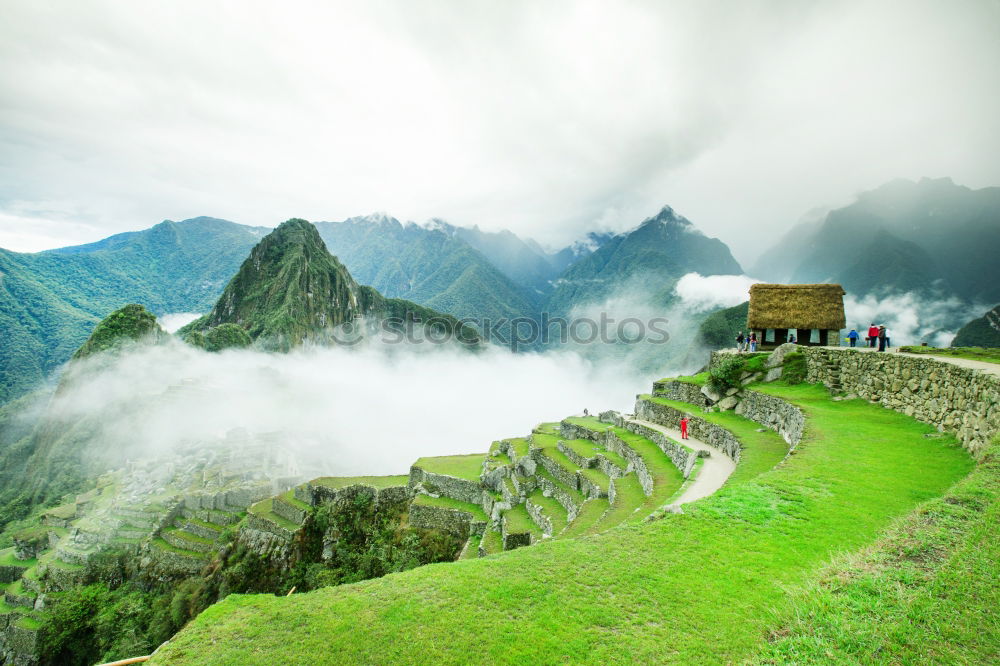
column 518, row 520
column 551, row 508
column 163, row 545
column 464, row 467
column 586, row 448
column 378, row 482
column 520, row 446
column 701, row 587
column 7, row 559
column 543, row 473
column 588, row 422
column 264, row 509
column 761, row 450
column 989, row 355
column 667, row 479
column 449, row 503
column 288, row 497
column 590, row 514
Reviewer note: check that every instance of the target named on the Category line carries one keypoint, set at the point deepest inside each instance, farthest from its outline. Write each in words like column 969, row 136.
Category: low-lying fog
column 364, row 411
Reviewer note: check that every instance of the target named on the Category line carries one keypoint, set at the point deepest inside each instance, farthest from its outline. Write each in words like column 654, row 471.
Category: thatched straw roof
column 796, row 306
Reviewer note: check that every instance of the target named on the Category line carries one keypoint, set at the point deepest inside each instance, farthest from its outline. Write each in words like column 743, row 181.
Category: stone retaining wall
column 682, row 391
column 952, row 398
column 713, row 435
column 454, row 521
column 462, row 490
column 683, row 457
column 773, row 413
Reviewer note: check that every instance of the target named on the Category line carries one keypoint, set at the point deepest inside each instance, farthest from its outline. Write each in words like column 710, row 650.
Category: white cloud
column 173, row 321
column 547, row 118
column 714, row 291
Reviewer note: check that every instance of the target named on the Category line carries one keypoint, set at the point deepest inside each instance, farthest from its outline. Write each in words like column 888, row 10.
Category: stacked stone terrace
column 170, row 513
column 580, row 476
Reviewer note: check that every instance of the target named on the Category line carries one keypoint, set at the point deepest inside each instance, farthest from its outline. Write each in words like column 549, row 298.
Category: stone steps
column 186, row 540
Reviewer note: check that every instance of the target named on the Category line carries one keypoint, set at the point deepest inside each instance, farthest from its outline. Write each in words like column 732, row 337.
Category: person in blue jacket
column 853, row 337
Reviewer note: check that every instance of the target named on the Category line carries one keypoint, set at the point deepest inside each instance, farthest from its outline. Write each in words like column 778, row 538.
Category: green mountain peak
column 132, row 323
column 291, row 289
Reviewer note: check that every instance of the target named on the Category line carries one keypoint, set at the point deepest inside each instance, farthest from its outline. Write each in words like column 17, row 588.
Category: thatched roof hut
column 796, row 306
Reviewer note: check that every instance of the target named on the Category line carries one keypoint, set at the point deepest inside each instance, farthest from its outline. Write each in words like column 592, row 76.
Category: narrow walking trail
column 714, row 472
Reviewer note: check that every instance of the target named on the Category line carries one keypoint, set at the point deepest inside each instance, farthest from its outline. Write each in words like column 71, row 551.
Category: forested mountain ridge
column 50, row 301
column 660, row 250
column 427, row 266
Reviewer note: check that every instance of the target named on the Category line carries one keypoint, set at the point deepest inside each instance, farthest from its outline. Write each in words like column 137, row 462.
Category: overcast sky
column 546, row 118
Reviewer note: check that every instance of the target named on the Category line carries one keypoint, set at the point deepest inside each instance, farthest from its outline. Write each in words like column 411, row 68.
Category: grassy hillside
column 702, row 587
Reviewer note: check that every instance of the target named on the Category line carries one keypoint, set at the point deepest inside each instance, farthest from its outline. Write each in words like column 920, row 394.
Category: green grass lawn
column 464, row 467
column 990, row 355
column 701, row 587
column 378, row 482
column 926, row 592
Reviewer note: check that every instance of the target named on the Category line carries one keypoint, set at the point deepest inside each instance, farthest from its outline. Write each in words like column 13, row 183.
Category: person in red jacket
column 684, row 427
column 872, row 335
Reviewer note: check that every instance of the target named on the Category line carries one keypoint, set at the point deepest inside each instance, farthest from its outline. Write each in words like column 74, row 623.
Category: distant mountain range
column 931, row 237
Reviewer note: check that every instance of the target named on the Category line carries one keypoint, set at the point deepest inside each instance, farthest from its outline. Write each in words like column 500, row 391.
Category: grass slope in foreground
column 702, row 587
column 926, row 592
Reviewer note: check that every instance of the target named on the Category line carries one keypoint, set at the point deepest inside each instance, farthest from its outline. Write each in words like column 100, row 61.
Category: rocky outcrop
column 952, row 398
